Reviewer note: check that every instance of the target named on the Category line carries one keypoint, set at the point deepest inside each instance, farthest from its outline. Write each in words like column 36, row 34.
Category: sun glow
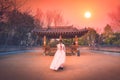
column 87, row 14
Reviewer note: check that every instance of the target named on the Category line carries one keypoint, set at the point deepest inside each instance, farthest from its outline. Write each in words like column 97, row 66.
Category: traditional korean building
column 60, row 32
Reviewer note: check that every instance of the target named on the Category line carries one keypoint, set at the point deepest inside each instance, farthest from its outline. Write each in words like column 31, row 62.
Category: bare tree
column 39, row 18
column 55, row 18
column 49, row 18
column 115, row 17
column 17, row 4
column 58, row 18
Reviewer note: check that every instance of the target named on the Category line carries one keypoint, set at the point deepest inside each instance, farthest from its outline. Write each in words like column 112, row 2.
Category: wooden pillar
column 76, row 46
column 76, row 40
column 44, row 40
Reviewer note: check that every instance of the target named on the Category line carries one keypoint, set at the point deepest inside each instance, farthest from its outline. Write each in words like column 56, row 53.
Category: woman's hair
column 60, row 41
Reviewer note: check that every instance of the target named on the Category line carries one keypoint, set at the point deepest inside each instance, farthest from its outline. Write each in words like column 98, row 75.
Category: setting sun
column 87, row 14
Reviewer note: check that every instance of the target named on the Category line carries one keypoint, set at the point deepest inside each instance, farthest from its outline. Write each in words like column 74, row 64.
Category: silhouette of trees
column 8, row 5
column 17, row 25
column 116, row 39
column 109, row 37
column 108, row 31
column 91, row 38
column 21, row 24
column 5, row 6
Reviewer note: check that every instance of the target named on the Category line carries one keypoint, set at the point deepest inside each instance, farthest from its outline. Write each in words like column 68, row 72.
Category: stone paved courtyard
column 34, row 66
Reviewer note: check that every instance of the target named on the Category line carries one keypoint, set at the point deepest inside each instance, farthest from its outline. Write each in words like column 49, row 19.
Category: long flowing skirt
column 58, row 60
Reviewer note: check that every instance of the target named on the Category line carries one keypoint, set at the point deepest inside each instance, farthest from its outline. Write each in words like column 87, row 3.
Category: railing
column 70, row 50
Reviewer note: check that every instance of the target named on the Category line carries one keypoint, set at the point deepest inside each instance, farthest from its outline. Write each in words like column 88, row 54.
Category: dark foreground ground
column 34, row 66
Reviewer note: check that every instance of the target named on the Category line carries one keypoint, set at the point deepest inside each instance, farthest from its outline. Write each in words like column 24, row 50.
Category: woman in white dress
column 59, row 57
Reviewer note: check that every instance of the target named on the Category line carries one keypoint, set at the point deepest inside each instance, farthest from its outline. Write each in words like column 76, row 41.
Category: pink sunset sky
column 73, row 10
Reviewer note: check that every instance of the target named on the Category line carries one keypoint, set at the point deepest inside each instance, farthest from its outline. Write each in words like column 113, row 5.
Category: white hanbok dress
column 59, row 57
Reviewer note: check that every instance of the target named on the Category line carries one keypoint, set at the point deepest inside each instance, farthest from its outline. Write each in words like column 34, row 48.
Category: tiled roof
column 55, row 32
